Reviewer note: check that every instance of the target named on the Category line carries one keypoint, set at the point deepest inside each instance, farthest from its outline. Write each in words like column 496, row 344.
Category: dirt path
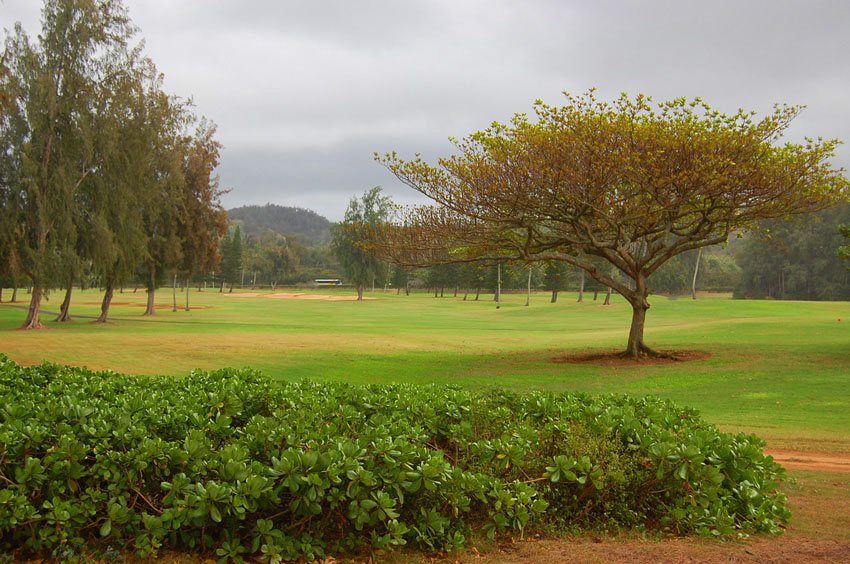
column 817, row 461
column 588, row 550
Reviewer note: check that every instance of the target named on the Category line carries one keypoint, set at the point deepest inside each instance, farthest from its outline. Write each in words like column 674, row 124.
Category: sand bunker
column 288, row 296
column 295, row 296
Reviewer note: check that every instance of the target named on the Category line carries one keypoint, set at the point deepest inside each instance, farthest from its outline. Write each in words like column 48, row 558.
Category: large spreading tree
column 628, row 184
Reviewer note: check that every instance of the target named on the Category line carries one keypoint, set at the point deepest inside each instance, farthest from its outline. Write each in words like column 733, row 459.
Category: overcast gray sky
column 304, row 91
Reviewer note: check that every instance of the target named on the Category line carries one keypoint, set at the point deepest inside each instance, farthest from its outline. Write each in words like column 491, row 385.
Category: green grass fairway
column 780, row 369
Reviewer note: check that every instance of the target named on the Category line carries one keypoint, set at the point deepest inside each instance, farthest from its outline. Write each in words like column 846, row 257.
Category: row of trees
column 362, row 267
column 795, row 258
column 269, row 259
column 101, row 171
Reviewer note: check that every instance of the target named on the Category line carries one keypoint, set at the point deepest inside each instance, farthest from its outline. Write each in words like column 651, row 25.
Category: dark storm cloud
column 304, row 92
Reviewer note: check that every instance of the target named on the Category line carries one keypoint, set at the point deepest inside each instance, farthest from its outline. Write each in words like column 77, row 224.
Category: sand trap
column 241, row 295
column 289, row 296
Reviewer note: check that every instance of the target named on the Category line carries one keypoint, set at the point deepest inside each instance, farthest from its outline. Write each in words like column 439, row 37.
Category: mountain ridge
column 312, row 228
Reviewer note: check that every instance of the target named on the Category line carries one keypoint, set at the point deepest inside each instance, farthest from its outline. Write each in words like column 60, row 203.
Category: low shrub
column 232, row 462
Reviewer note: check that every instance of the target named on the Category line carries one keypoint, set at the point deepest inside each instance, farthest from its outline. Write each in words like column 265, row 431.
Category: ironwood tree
column 116, row 239
column 203, row 221
column 630, row 182
column 53, row 84
column 361, row 266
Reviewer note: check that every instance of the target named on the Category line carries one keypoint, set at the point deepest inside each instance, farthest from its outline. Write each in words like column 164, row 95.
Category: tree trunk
column 607, row 297
column 149, row 310
column 436, row 292
column 477, row 292
column 528, row 294
column 221, row 288
column 636, row 347
column 360, row 292
column 107, row 300
column 187, row 294
column 581, row 288
column 442, row 291
column 499, row 287
column 63, row 316
column 32, row 321
column 555, row 297
column 465, row 293
column 1, row 292
column 696, row 270
column 14, row 294
column 174, row 293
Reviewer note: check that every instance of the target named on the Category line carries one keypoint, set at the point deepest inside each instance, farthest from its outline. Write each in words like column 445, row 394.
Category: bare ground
column 616, row 358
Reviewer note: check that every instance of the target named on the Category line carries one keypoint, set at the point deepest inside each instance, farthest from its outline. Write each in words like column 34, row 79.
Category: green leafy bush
column 232, row 462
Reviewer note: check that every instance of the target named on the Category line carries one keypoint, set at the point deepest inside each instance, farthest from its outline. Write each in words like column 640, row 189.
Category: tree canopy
column 631, row 182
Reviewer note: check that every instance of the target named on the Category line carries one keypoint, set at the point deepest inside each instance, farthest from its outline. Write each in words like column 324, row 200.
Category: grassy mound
column 233, row 462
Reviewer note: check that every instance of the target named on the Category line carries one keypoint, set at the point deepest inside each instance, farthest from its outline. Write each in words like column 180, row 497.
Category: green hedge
column 233, row 462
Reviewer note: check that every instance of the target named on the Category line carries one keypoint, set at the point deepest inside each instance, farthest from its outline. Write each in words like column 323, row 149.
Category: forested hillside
column 307, row 225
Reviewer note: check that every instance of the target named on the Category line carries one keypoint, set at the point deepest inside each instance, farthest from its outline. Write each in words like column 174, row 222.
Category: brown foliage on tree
column 631, row 182
column 204, row 221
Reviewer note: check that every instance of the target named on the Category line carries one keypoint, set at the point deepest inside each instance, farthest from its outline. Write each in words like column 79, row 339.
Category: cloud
column 304, row 92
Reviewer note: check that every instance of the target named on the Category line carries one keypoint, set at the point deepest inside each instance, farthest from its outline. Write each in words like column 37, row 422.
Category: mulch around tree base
column 616, row 358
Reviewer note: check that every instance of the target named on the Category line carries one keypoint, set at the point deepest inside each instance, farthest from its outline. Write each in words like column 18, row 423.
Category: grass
column 779, row 369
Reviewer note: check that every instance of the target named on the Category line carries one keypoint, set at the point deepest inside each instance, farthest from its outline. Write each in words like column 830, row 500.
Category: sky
column 305, row 92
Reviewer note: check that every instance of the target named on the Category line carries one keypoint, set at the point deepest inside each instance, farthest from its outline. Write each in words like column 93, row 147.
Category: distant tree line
column 796, row 259
column 103, row 175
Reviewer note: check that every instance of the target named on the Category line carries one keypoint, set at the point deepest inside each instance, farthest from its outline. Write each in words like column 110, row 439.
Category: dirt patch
column 616, row 358
column 240, row 295
column 819, row 461
column 583, row 549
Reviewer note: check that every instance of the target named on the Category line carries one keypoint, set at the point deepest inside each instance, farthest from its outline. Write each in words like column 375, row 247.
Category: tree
column 203, row 221
column 400, row 278
column 161, row 182
column 273, row 256
column 231, row 258
column 630, row 182
column 115, row 238
column 347, row 238
column 53, row 85
column 554, row 277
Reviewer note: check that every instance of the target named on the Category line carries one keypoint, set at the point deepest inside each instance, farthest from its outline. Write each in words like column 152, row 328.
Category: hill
column 310, row 227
